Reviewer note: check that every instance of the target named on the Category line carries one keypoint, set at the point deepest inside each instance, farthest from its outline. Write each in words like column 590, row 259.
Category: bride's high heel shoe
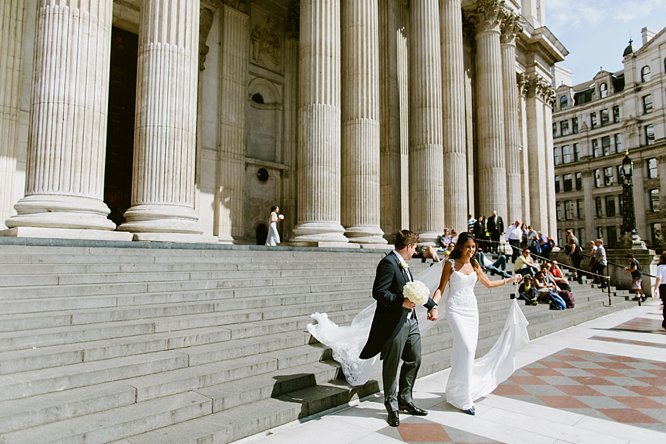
column 470, row 411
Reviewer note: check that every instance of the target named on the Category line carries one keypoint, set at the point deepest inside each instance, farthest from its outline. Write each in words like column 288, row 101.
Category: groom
column 395, row 330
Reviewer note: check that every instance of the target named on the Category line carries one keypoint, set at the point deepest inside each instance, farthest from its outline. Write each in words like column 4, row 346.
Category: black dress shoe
column 393, row 419
column 470, row 411
column 412, row 409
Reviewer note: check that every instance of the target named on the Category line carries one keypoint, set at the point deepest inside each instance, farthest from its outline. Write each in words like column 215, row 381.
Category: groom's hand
column 408, row 304
column 433, row 314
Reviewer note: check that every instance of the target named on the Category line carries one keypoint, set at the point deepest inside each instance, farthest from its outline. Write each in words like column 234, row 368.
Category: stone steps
column 135, row 344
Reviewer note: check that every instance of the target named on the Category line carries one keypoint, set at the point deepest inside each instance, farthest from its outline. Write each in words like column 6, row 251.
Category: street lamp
column 628, row 214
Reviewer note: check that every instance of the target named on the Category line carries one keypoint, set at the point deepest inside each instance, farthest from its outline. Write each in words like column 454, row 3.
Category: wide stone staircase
column 171, row 343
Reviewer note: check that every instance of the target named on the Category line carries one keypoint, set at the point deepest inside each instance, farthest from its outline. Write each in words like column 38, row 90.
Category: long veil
column 489, row 370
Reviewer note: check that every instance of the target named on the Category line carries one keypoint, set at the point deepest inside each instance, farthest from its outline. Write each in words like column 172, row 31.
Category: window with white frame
column 608, row 176
column 598, row 206
column 574, row 125
column 593, row 120
column 581, row 210
column 557, row 184
column 596, row 149
column 603, row 90
column 605, row 145
column 616, row 113
column 654, row 200
column 610, row 206
column 558, row 209
column 645, row 74
column 564, row 102
column 579, row 181
column 652, row 171
column 556, row 156
column 647, row 104
column 564, row 127
column 569, row 209
column 605, row 117
column 567, row 182
column 597, row 179
column 567, row 154
column 576, row 150
column 649, row 134
column 618, row 143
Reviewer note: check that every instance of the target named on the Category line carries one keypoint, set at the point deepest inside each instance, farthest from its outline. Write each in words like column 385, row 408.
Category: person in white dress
column 273, row 236
column 459, row 275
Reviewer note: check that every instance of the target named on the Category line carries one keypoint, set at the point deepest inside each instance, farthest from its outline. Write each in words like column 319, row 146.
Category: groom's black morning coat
column 389, row 314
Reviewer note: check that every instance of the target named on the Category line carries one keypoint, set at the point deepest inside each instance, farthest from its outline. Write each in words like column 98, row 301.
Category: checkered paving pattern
column 642, row 325
column 419, row 430
column 617, row 388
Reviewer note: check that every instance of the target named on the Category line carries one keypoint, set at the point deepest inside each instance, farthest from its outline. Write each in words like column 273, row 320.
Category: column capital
column 487, row 15
column 241, row 5
column 541, row 88
column 510, row 27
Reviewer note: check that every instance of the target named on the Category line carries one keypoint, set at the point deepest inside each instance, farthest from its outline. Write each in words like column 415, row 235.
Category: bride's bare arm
column 485, row 280
column 446, row 274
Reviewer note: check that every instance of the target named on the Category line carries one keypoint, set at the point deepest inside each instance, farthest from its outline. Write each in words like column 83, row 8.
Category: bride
column 455, row 282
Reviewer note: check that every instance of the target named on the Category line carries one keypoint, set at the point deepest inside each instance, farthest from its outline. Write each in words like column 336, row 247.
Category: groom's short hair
column 404, row 238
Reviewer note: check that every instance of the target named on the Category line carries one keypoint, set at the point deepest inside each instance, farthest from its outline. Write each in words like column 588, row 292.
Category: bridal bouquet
column 417, row 292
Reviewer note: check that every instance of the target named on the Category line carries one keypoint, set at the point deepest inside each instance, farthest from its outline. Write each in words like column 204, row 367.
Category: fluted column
column 319, row 141
column 548, row 161
column 510, row 27
column 11, row 33
column 165, row 129
column 538, row 153
column 589, row 204
column 426, row 187
column 393, row 61
column 661, row 165
column 523, row 90
column 360, row 122
column 453, row 107
column 67, row 129
column 491, row 159
column 233, row 98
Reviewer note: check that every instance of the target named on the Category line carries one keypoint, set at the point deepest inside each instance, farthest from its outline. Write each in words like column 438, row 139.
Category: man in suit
column 495, row 226
column 395, row 331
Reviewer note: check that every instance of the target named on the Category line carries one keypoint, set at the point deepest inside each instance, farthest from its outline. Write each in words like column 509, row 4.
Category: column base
column 55, row 211
column 318, row 232
column 428, row 238
column 161, row 220
column 365, row 234
column 349, row 245
column 67, row 233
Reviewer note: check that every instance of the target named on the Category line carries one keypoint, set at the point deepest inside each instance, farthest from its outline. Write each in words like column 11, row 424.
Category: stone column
column 426, row 181
column 319, row 141
column 510, row 27
column 548, row 102
column 393, row 86
column 661, row 165
column 640, row 209
column 536, row 140
column 588, row 203
column 491, row 158
column 11, row 34
column 165, row 129
column 233, row 100
column 360, row 122
column 453, row 101
column 67, row 129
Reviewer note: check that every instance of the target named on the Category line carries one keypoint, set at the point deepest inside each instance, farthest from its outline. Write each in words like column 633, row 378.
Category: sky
column 596, row 31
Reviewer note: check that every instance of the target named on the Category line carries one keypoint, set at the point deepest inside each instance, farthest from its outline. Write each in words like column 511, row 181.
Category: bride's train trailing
column 488, row 371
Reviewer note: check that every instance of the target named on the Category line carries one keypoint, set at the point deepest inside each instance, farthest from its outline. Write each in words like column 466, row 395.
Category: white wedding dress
column 469, row 379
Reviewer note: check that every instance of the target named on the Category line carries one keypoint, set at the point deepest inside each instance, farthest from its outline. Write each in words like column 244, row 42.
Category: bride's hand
column 517, row 278
column 433, row 314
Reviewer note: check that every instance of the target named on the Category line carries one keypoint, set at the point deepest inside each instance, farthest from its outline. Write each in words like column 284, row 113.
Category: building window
column 597, row 179
column 610, row 206
column 605, row 117
column 579, row 181
column 564, row 128
column 569, row 209
column 554, row 129
column 593, row 120
column 619, row 199
column 574, row 125
column 616, row 113
column 649, row 134
column 608, row 176
column 596, row 149
column 576, row 150
column 567, row 182
column 652, row 172
column 597, row 205
column 611, row 234
column 557, row 184
column 564, row 102
column 558, row 209
column 647, row 104
column 620, row 174
column 600, row 232
column 603, row 90
column 645, row 74
column 618, row 143
column 556, row 156
column 567, row 154
column 654, row 200
column 581, row 211
column 605, row 145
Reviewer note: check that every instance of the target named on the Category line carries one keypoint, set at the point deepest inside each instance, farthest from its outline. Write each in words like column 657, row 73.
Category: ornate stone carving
column 543, row 89
column 241, row 5
column 523, row 81
column 266, row 40
column 510, row 26
column 205, row 23
column 487, row 14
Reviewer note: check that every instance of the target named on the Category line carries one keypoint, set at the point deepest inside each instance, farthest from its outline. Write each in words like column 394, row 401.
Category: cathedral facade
column 186, row 120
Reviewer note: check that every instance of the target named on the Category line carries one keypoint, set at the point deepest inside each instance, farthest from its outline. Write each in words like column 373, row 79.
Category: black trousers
column 515, row 247
column 662, row 295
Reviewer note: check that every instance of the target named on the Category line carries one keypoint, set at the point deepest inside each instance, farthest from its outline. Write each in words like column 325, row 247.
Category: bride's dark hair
column 457, row 250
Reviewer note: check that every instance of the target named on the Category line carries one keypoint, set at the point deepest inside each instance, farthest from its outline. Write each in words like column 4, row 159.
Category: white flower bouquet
column 417, row 292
